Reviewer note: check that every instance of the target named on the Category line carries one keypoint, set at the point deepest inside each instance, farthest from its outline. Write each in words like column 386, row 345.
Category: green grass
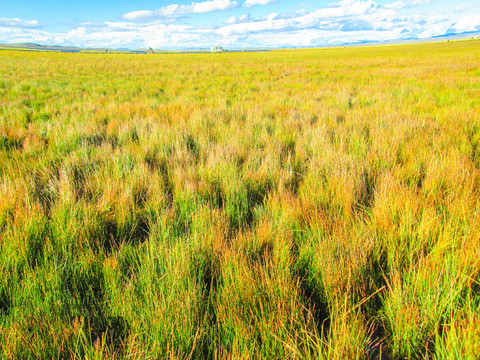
column 313, row 204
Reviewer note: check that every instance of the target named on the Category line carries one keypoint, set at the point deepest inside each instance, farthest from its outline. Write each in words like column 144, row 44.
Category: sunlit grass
column 313, row 204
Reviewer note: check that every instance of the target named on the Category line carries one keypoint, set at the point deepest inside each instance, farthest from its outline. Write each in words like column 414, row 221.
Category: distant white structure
column 217, row 49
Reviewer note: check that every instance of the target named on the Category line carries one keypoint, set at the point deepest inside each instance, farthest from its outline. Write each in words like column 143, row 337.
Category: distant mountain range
column 69, row 49
column 74, row 49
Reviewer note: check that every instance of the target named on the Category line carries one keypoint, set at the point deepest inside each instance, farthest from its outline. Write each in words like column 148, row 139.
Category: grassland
column 313, row 204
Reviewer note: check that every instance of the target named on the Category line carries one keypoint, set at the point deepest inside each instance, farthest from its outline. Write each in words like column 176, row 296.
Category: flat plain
column 300, row 204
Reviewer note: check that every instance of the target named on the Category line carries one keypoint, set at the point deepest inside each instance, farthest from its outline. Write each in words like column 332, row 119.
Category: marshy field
column 308, row 204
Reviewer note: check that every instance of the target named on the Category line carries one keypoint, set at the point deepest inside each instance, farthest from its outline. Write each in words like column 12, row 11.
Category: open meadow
column 308, row 204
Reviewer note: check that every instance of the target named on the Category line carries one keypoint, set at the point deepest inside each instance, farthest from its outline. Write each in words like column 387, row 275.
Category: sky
column 232, row 24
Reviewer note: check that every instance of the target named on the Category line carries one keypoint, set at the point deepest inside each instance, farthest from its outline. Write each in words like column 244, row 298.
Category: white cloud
column 239, row 19
column 345, row 16
column 421, row 2
column 250, row 3
column 468, row 23
column 357, row 7
column 407, row 4
column 209, row 6
column 175, row 10
column 77, row 33
column 16, row 22
column 396, row 5
column 139, row 15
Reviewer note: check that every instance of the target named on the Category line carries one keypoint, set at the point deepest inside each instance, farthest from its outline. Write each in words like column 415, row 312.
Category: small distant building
column 150, row 51
column 217, row 49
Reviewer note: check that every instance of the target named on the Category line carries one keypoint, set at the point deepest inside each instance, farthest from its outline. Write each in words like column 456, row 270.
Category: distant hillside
column 32, row 46
column 38, row 47
column 74, row 49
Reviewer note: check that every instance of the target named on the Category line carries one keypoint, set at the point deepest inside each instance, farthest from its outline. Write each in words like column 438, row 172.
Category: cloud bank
column 18, row 23
column 250, row 3
column 175, row 10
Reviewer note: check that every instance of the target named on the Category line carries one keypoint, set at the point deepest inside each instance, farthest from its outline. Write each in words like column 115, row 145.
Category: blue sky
column 233, row 24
